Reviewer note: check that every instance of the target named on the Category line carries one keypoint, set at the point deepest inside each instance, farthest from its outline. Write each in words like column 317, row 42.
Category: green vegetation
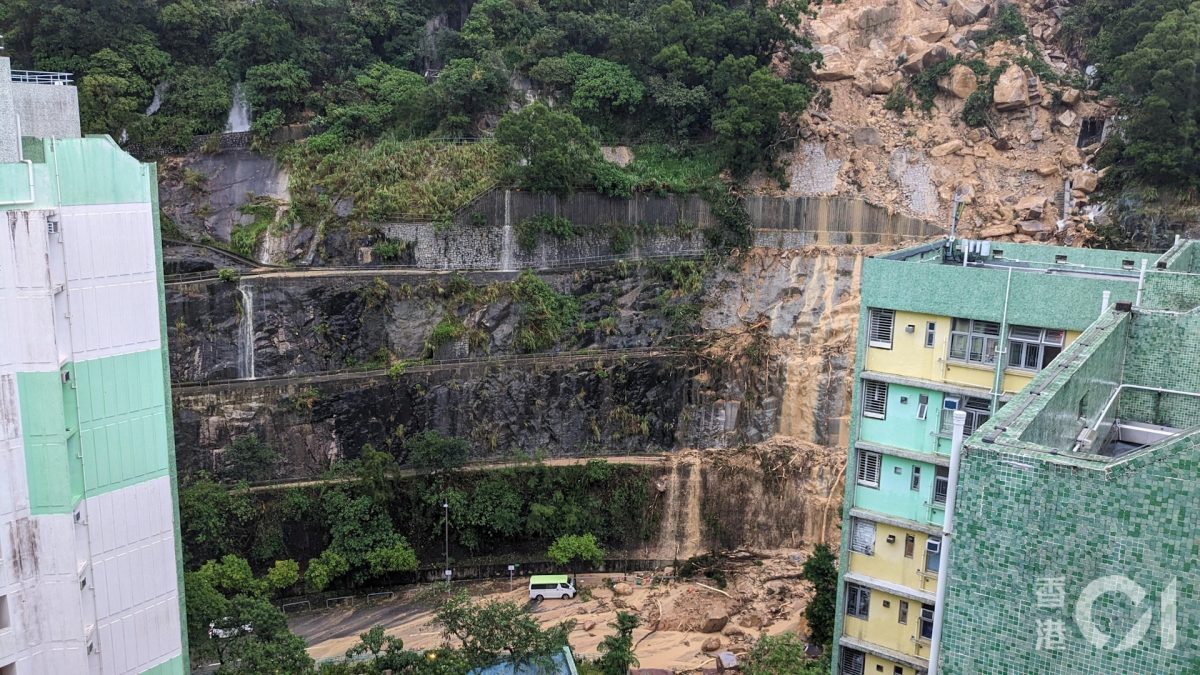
column 530, row 230
column 390, row 178
column 546, row 314
column 782, row 655
column 231, row 617
column 1146, row 55
column 572, row 549
column 248, row 458
column 495, row 630
column 389, row 250
column 732, row 72
column 617, row 655
column 820, row 570
column 432, row 451
column 228, row 275
column 556, row 153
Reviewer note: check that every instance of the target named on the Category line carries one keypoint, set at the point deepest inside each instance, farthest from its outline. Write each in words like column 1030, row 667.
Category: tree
column 248, row 458
column 557, row 151
column 571, row 549
column 323, row 569
column 230, row 616
column 281, row 86
column 606, row 88
column 617, row 649
column 749, row 124
column 112, row 94
column 468, row 86
column 820, row 570
column 260, row 642
column 490, row 631
column 212, row 519
column 1159, row 79
column 781, row 655
column 432, row 451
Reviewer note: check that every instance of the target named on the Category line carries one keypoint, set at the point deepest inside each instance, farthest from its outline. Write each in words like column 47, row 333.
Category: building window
column 868, row 468
column 978, row 411
column 858, row 601
column 862, row 537
column 927, row 622
column 974, row 341
column 915, row 483
column 933, row 555
column 881, row 322
column 853, row 662
column 910, row 542
column 930, row 333
column 875, row 399
column 5, row 619
column 1033, row 348
column 897, row 670
column 941, row 485
column 903, row 617
column 922, row 406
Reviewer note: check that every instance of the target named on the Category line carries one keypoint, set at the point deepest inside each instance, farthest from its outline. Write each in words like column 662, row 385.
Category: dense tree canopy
column 1147, row 53
column 629, row 69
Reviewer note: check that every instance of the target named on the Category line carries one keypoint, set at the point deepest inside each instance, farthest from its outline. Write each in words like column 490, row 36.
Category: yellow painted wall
column 909, row 357
column 889, row 563
column 883, row 627
column 889, row 667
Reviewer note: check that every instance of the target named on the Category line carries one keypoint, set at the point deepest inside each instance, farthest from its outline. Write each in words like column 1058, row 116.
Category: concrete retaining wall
column 482, row 235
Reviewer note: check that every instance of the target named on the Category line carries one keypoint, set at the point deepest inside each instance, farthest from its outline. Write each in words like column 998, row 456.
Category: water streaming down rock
column 506, row 243
column 246, row 332
column 156, row 102
column 239, row 111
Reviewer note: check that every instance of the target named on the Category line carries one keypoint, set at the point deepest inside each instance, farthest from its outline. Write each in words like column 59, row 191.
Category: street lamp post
column 446, row 569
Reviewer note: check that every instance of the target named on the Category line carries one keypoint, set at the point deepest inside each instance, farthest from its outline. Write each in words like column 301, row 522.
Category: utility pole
column 446, row 512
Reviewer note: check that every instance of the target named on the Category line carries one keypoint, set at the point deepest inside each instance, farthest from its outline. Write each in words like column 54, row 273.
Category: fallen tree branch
column 713, row 589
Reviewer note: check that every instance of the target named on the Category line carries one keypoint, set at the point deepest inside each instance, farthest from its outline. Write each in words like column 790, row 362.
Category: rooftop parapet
column 42, row 77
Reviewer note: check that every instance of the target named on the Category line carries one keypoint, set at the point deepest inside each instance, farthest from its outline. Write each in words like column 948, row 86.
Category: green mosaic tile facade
column 1023, row 519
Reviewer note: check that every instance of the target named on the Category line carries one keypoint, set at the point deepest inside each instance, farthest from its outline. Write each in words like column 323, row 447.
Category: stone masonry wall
column 483, row 234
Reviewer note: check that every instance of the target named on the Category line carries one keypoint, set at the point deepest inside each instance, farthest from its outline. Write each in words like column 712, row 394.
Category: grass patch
column 546, row 314
column 392, row 178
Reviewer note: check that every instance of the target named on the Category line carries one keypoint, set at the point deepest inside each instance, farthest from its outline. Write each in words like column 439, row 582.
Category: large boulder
column 921, row 59
column 1001, row 230
column 966, row 12
column 1032, row 207
column 872, row 19
column 959, row 82
column 932, row 30
column 947, row 148
column 622, row 588
column 835, row 65
column 714, row 621
column 1012, row 90
column 1085, row 181
column 1070, row 157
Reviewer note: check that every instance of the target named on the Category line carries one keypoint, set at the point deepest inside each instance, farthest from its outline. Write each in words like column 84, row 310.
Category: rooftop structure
column 35, row 104
column 1077, row 530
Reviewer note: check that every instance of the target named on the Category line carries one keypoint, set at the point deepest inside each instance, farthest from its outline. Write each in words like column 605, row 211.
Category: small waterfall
column 239, row 112
column 1066, row 205
column 506, row 244
column 245, row 341
column 159, row 90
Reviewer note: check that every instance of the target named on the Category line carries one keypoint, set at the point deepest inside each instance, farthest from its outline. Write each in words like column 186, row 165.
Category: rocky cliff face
column 742, row 352
column 870, row 136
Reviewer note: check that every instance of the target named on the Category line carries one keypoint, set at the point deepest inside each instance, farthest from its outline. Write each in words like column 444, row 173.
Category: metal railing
column 431, row 365
column 41, row 77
